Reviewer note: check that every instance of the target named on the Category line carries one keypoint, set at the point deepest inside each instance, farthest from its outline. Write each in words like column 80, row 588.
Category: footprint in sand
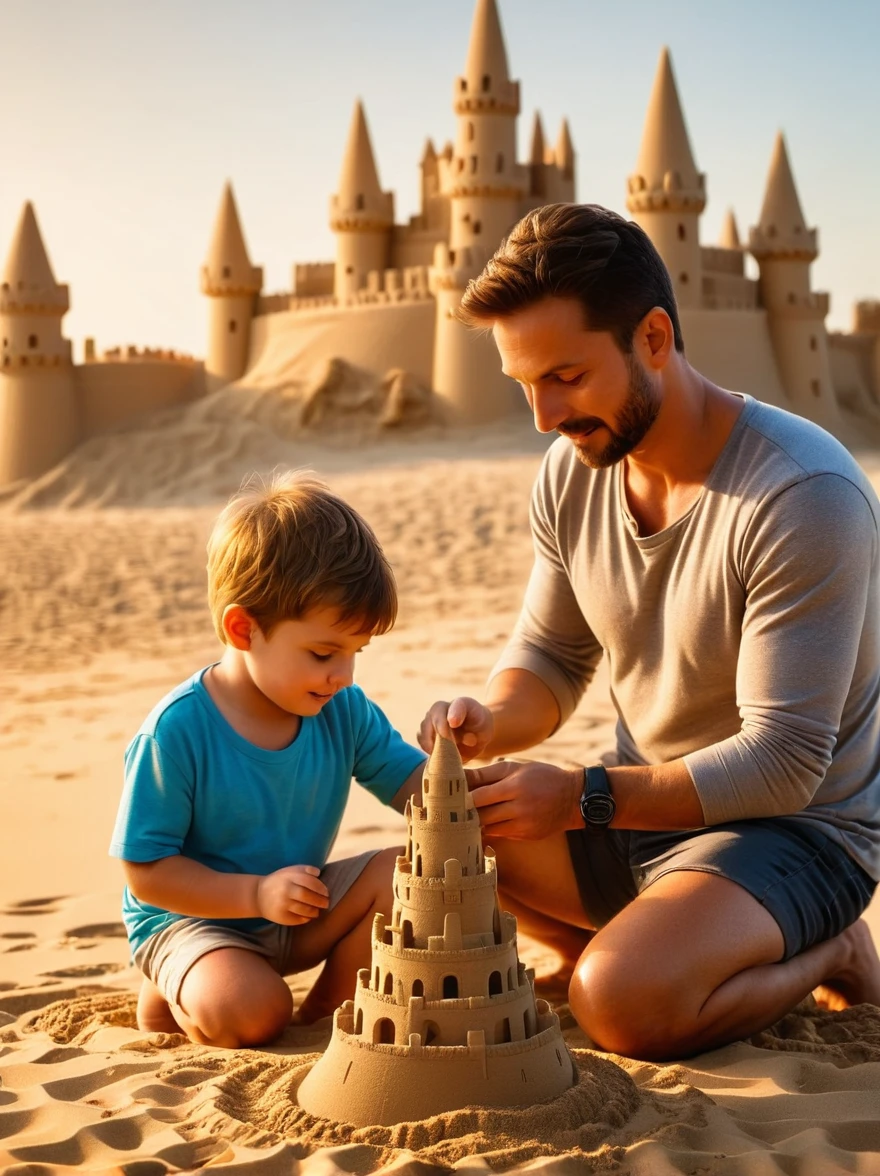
column 75, row 971
column 98, row 931
column 36, row 906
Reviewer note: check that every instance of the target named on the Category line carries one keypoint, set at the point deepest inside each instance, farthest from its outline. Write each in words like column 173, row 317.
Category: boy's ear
column 238, row 626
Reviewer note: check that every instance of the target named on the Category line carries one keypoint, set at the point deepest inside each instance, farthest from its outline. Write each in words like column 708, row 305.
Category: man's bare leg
column 694, row 963
column 567, row 942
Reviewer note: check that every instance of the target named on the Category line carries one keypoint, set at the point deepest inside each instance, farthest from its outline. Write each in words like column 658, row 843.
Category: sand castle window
column 450, row 987
column 499, row 163
column 682, row 232
column 226, row 272
column 359, row 202
column 419, row 865
column 496, row 985
column 359, row 1022
column 477, row 227
column 418, row 988
column 430, row 1034
column 470, row 131
column 389, row 985
column 815, row 387
column 407, row 933
column 473, row 164
column 233, row 326
column 383, row 1032
column 814, row 343
column 376, row 979
column 792, row 298
column 462, row 85
column 32, row 340
column 453, row 816
column 502, row 1031
column 487, row 83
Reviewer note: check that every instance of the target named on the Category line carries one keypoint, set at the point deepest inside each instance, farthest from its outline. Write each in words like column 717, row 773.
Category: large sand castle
column 446, row 1015
column 385, row 303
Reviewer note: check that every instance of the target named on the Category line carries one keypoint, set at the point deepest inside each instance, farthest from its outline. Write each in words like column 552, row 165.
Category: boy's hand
column 465, row 721
column 292, row 895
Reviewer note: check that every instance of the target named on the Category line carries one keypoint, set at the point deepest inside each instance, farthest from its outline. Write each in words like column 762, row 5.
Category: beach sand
column 103, row 610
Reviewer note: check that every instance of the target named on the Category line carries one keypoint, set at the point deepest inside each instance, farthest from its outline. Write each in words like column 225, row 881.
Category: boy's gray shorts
column 807, row 882
column 166, row 957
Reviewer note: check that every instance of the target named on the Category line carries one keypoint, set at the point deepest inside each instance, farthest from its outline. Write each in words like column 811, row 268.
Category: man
column 723, row 554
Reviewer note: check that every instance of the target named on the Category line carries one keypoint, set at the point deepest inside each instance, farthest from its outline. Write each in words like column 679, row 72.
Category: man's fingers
column 493, row 794
column 490, row 774
column 457, row 712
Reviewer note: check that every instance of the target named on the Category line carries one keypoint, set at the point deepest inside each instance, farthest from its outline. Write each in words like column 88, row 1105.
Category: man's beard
column 634, row 420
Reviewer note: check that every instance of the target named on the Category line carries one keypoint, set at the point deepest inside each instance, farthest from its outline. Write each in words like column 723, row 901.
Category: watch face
column 597, row 808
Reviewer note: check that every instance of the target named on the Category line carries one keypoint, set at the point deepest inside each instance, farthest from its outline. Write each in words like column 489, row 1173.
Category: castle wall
column 39, row 420
column 314, row 279
column 376, row 336
column 411, row 246
column 229, row 329
column 467, row 372
column 112, row 392
column 855, row 371
column 734, row 349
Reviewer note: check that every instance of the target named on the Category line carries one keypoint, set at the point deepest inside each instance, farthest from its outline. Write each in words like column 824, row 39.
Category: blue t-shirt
column 194, row 786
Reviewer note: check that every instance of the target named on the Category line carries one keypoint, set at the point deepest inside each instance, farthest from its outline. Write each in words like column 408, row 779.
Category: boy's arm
column 412, row 786
column 178, row 884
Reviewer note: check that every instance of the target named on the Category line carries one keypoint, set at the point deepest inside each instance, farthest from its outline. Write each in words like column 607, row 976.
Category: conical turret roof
column 228, row 267
column 359, row 190
column 565, row 150
column 729, row 238
column 28, row 280
column 666, row 162
column 781, row 208
column 486, row 52
column 538, row 145
column 782, row 229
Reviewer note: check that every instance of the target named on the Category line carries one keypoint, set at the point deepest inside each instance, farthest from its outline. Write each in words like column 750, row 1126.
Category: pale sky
column 121, row 121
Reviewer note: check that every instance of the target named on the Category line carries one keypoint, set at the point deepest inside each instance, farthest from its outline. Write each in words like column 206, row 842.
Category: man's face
column 577, row 381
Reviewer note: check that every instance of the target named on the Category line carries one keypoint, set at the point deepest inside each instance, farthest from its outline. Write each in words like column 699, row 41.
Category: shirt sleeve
column 156, row 807
column 808, row 559
column 383, row 759
column 551, row 638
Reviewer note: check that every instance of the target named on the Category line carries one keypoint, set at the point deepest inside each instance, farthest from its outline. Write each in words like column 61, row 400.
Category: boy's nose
column 342, row 674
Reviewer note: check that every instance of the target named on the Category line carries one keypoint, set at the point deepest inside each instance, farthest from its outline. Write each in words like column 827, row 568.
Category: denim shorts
column 807, row 882
column 166, row 957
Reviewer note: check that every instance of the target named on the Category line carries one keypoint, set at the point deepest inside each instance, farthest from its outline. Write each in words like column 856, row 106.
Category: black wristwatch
column 597, row 803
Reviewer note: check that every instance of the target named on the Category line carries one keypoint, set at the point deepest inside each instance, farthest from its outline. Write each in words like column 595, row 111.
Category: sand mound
column 200, row 452
column 846, row 1038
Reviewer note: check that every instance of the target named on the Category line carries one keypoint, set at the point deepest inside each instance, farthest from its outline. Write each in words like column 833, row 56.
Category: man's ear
column 238, row 626
column 654, row 340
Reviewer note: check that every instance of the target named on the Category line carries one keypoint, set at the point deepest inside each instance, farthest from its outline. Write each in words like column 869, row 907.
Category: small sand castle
column 446, row 1016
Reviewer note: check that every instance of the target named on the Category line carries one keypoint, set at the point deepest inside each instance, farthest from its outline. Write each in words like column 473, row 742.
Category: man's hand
column 292, row 895
column 465, row 721
column 527, row 802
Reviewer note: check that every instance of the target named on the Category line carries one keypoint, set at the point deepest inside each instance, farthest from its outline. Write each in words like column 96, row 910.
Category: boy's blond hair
column 282, row 548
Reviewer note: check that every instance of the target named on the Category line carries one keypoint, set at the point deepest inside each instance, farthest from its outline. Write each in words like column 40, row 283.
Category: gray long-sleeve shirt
column 745, row 637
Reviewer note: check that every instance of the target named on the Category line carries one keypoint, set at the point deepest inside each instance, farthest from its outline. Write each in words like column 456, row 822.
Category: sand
column 103, row 610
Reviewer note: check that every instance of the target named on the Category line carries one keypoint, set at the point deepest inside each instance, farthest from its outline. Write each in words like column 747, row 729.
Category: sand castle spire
column 539, row 147
column 446, row 1015
column 361, row 214
column 487, row 55
column 39, row 415
column 564, row 152
column 729, row 236
column 232, row 284
column 784, row 248
column 781, row 224
column 666, row 193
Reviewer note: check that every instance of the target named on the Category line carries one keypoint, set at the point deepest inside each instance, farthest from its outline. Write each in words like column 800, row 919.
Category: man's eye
column 321, row 656
column 572, row 382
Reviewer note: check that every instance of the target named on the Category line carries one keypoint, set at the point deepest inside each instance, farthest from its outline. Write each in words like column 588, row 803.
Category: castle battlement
column 866, row 317
column 129, row 353
column 23, row 298
column 770, row 243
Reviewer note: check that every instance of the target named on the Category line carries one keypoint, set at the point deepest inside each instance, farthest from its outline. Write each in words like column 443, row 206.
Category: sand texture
column 102, row 598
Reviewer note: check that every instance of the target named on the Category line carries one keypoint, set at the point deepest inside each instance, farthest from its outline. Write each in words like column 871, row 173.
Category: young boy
column 236, row 783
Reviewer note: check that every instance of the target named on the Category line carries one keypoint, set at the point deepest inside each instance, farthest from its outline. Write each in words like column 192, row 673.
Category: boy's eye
column 321, row 656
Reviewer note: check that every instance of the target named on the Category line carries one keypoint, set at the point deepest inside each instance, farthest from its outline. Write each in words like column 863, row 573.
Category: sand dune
column 103, row 610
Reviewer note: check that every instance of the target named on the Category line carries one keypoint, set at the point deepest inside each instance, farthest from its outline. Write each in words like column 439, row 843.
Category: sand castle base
column 374, row 1083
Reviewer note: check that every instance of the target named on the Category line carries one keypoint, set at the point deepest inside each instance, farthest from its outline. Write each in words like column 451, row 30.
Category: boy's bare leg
column 153, row 1011
column 342, row 938
column 233, row 998
column 695, row 962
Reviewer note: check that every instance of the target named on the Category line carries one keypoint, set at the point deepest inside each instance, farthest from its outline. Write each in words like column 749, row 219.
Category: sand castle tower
column 485, row 186
column 232, row 284
column 666, row 193
column 785, row 248
column 446, row 1016
column 361, row 214
column 38, row 405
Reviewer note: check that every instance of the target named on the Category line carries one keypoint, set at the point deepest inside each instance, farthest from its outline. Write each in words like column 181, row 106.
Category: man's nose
column 549, row 410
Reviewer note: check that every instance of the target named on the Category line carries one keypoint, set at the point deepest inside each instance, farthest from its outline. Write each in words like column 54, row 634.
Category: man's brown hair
column 579, row 251
column 284, row 547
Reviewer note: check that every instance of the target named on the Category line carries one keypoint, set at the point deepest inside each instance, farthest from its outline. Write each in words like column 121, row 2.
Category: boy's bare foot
column 857, row 980
column 153, row 1011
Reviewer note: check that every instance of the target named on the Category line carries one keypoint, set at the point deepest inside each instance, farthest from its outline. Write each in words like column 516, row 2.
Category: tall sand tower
column 485, row 186
column 232, row 285
column 38, row 407
column 361, row 214
column 446, row 1016
column 666, row 193
column 785, row 248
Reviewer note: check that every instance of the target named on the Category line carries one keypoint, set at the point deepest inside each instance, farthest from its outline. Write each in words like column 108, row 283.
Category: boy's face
column 302, row 663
